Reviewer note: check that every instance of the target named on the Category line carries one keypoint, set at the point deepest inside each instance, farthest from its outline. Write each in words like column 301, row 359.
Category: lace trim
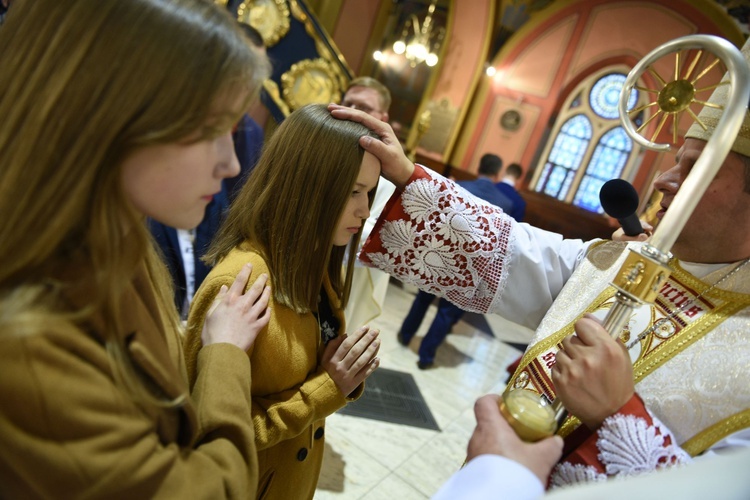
column 628, row 445
column 451, row 243
column 567, row 474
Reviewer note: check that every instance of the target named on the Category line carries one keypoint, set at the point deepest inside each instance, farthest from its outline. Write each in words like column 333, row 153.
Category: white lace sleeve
column 628, row 445
column 453, row 244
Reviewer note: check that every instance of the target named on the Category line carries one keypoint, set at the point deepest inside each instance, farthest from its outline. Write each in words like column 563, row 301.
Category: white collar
column 700, row 270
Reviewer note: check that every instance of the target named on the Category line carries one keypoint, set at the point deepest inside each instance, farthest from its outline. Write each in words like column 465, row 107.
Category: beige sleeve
column 69, row 430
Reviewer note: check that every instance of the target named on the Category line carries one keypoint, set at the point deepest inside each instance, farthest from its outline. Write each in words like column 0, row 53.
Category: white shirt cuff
column 491, row 477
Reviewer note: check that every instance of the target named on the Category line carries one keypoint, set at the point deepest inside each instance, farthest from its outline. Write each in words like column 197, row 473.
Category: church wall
column 353, row 31
column 555, row 50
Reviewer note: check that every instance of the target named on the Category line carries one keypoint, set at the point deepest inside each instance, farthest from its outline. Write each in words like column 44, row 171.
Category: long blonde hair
column 289, row 207
column 85, row 83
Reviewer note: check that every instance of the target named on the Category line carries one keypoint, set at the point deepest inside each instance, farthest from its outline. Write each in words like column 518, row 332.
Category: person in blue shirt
column 507, row 186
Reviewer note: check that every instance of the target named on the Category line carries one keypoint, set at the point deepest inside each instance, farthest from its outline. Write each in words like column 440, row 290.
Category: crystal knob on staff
column 645, row 270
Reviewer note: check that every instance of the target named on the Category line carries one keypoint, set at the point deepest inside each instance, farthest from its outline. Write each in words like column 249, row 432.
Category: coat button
column 319, row 433
column 302, row 454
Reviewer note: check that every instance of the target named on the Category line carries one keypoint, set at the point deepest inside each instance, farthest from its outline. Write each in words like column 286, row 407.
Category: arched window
column 565, row 158
column 587, row 134
column 606, row 163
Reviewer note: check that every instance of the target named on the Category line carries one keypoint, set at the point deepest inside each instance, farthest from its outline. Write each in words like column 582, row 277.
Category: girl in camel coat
column 303, row 205
column 111, row 112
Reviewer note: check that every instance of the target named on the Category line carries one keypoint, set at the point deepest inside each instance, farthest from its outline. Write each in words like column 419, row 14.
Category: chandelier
column 419, row 42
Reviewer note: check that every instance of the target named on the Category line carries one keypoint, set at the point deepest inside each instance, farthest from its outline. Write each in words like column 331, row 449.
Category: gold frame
column 310, row 81
column 271, row 27
column 319, row 80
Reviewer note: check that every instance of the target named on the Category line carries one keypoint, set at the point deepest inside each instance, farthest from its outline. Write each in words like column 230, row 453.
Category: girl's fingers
column 261, row 303
column 217, row 300
column 238, row 286
column 257, row 288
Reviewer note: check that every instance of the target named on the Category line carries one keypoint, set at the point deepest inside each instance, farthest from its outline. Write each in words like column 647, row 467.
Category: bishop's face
column 717, row 230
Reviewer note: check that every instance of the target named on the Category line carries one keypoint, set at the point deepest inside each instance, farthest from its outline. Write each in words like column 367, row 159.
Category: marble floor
column 370, row 459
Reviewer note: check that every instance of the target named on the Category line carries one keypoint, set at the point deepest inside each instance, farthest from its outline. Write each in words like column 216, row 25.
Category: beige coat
column 292, row 393
column 69, row 430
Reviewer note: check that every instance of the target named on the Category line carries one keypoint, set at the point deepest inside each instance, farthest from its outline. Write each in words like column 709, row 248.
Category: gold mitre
column 710, row 116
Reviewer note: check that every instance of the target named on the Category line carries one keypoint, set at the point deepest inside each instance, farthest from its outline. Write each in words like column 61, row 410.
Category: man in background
column 507, row 186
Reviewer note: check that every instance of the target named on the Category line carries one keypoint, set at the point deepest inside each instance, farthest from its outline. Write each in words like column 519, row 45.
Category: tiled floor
column 373, row 460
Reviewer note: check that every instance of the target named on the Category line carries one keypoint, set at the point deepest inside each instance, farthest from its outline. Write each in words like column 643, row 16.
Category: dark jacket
column 166, row 239
column 486, row 190
column 519, row 204
column 248, row 143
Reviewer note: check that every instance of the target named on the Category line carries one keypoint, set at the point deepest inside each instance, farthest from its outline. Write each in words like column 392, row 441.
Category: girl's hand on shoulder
column 396, row 167
column 236, row 317
column 350, row 359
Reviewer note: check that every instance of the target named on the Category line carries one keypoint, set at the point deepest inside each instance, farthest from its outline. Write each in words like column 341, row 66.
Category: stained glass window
column 606, row 163
column 565, row 157
column 590, row 132
column 605, row 96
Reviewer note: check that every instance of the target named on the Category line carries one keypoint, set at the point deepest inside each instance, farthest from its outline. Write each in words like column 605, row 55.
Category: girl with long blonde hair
column 113, row 112
column 303, row 205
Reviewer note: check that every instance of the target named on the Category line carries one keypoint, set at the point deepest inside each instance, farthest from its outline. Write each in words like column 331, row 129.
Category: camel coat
column 292, row 393
column 68, row 429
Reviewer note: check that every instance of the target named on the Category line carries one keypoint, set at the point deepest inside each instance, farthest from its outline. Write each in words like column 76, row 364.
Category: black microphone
column 620, row 200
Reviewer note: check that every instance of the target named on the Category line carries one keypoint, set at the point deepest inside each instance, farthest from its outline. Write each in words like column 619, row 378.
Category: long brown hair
column 85, row 83
column 289, row 207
